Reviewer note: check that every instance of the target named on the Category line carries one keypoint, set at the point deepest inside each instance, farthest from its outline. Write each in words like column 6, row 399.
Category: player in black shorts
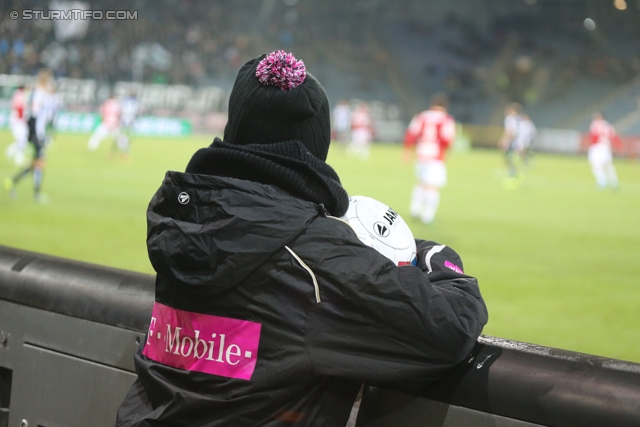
column 37, row 134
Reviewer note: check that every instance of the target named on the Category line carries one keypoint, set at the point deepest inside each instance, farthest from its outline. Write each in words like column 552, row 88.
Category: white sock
column 417, row 201
column 93, row 144
column 432, row 200
column 612, row 177
column 600, row 174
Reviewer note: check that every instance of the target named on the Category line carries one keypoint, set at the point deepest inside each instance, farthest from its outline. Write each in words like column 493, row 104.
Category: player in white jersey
column 18, row 125
column 361, row 131
column 508, row 140
column 525, row 134
column 129, row 111
column 36, row 123
column 110, row 112
column 342, row 122
column 51, row 109
column 431, row 132
column 601, row 136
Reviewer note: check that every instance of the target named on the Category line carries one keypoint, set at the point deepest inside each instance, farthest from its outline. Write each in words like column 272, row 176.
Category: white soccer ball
column 380, row 227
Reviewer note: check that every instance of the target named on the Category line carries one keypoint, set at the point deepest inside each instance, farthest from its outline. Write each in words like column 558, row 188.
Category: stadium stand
column 537, row 53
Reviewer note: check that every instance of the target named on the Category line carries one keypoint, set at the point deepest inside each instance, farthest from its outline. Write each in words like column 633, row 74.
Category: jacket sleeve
column 397, row 327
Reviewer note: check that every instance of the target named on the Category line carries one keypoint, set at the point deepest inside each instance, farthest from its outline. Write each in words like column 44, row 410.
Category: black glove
column 435, row 258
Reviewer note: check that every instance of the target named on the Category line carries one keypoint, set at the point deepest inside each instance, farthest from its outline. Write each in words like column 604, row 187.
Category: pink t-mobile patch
column 203, row 342
column 453, row 267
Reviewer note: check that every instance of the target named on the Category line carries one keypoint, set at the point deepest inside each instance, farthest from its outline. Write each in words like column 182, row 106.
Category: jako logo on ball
column 381, row 229
column 379, row 226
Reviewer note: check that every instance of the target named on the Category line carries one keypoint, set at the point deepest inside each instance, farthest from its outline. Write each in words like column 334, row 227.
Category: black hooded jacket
column 333, row 313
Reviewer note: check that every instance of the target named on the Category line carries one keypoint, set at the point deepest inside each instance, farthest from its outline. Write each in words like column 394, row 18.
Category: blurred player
column 525, row 135
column 601, row 136
column 52, row 107
column 342, row 122
column 431, row 132
column 129, row 111
column 361, row 131
column 508, row 139
column 18, row 125
column 36, row 123
column 110, row 112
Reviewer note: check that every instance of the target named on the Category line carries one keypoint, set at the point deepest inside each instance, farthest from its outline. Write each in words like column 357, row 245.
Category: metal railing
column 68, row 332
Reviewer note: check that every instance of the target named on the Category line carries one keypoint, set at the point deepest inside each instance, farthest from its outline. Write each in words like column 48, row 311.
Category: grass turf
column 558, row 261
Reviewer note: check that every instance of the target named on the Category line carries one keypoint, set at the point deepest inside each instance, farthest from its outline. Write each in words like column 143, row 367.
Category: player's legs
column 417, row 193
column 599, row 157
column 20, row 133
column 510, row 154
column 425, row 197
column 424, row 201
column 98, row 135
column 527, row 153
column 612, row 176
column 38, row 172
column 36, row 167
column 522, row 155
column 417, row 201
column 38, row 164
column 599, row 173
column 114, row 134
column 431, row 203
column 31, row 137
column 365, row 148
column 123, row 140
column 342, row 136
column 21, row 174
column 360, row 142
column 16, row 150
column 10, row 183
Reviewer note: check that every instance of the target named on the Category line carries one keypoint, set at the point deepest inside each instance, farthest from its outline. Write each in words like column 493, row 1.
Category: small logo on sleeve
column 201, row 342
column 453, row 267
column 183, row 198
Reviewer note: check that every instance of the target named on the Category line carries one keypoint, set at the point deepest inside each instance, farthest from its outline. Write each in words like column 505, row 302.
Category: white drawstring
column 427, row 258
column 306, row 267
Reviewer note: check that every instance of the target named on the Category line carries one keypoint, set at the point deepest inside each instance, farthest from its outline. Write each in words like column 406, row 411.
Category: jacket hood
column 211, row 232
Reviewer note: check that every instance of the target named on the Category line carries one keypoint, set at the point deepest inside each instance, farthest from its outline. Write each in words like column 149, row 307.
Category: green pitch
column 558, row 261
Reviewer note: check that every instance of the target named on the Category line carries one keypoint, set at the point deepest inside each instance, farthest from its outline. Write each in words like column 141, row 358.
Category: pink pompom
column 281, row 69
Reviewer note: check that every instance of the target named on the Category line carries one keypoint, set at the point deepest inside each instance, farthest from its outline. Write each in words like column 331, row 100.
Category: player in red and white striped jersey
column 33, row 111
column 361, row 131
column 601, row 136
column 431, row 132
column 110, row 126
column 18, row 125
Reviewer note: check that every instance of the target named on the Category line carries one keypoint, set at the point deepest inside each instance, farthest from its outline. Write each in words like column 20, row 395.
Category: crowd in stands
column 531, row 57
column 200, row 39
column 200, row 43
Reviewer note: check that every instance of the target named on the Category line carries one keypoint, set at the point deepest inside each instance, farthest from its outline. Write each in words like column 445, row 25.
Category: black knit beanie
column 274, row 99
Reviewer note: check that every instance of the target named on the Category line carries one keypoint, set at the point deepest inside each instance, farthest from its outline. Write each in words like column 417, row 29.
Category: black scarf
column 287, row 165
